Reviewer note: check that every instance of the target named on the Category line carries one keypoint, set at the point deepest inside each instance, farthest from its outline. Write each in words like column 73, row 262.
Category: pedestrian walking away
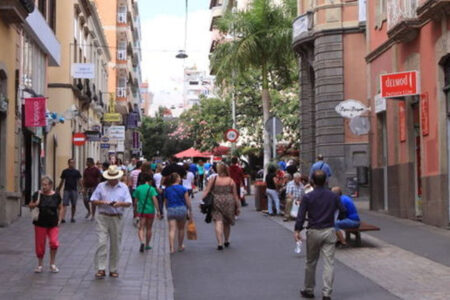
column 272, row 191
column 71, row 179
column 91, row 178
column 201, row 175
column 321, row 165
column 226, row 204
column 320, row 205
column 132, row 184
column 237, row 174
column 189, row 180
column 178, row 205
column 147, row 205
column 157, row 179
column 46, row 225
column 111, row 197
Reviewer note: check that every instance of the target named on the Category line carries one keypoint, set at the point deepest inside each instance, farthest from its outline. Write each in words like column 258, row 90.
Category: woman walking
column 50, row 208
column 157, row 179
column 178, row 205
column 226, row 204
column 145, row 196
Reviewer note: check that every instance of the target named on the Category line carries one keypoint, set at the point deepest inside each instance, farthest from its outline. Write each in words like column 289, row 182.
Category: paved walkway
column 142, row 276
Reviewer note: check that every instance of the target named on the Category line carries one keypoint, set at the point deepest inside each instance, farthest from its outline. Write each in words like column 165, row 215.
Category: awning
column 191, row 152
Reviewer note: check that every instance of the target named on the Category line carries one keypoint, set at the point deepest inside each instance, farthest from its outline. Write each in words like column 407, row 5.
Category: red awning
column 191, row 152
column 221, row 150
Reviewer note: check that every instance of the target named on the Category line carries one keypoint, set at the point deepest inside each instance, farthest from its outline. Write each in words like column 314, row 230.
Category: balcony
column 122, row 18
column 122, row 54
column 433, row 9
column 121, row 93
column 15, row 12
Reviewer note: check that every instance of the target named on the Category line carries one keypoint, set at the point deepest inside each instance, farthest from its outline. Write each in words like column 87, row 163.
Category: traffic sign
column 104, row 146
column 232, row 135
column 274, row 125
column 79, row 139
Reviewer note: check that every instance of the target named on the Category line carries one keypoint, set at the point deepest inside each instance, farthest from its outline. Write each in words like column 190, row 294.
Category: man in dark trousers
column 72, row 179
column 321, row 206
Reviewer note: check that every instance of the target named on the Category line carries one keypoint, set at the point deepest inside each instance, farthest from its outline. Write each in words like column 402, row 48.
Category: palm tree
column 261, row 39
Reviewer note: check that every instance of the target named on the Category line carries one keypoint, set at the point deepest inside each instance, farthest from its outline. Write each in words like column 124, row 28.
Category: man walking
column 111, row 197
column 71, row 179
column 237, row 174
column 320, row 205
column 92, row 176
column 321, row 165
column 294, row 193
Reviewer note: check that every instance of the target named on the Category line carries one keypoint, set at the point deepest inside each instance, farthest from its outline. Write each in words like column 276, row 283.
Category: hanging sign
column 116, row 133
column 232, row 135
column 400, row 84
column 351, row 108
column 402, row 120
column 380, row 104
column 136, row 140
column 104, row 146
column 83, row 71
column 112, row 117
column 35, row 109
column 93, row 136
column 425, row 113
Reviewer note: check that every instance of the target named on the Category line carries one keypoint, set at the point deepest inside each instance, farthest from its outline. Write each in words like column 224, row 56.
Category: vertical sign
column 424, row 113
column 402, row 120
column 135, row 140
column 35, row 109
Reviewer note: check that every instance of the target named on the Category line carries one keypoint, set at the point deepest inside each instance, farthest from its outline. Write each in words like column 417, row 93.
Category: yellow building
column 78, row 87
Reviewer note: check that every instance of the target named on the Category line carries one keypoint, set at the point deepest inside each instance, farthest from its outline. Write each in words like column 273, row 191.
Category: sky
column 162, row 25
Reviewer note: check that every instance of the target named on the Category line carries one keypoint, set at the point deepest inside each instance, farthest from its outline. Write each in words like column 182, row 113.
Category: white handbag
column 35, row 210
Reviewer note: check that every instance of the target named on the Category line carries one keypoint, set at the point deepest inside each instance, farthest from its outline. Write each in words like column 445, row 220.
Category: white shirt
column 157, row 177
column 117, row 193
column 187, row 183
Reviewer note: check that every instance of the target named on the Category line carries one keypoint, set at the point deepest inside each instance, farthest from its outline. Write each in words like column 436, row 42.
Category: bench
column 357, row 232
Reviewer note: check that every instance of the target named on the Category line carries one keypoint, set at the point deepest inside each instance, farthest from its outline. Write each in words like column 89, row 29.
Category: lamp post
column 182, row 53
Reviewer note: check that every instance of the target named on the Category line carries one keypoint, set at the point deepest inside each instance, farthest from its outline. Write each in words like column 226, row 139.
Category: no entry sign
column 79, row 139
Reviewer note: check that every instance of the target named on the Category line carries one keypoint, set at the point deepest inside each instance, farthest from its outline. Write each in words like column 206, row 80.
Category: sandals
column 54, row 269
column 100, row 274
column 38, row 269
column 113, row 274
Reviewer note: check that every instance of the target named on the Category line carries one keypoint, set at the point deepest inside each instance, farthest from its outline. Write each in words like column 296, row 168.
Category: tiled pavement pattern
column 403, row 273
column 142, row 276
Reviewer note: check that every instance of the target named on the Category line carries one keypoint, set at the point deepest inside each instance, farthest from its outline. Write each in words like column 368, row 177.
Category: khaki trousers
column 320, row 242
column 108, row 227
column 288, row 207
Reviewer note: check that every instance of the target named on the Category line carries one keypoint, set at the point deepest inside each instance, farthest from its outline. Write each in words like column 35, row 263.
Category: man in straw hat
column 111, row 197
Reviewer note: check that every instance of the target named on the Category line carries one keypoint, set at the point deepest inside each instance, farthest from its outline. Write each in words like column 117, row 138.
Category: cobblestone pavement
column 401, row 272
column 142, row 276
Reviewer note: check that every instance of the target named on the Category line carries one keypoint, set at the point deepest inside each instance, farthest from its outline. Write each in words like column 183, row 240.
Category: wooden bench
column 357, row 232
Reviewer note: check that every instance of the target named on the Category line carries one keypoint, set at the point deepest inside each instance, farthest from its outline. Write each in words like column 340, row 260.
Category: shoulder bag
column 208, row 200
column 35, row 210
column 146, row 198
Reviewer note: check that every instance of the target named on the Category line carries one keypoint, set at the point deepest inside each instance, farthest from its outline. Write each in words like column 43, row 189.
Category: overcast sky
column 162, row 24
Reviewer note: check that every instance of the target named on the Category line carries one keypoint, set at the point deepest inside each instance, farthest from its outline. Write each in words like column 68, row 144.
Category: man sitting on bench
column 351, row 220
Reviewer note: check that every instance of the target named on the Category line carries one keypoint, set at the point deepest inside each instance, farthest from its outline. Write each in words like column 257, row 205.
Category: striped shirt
column 296, row 190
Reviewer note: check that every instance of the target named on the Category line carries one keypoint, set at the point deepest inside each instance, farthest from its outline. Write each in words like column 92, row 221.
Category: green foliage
column 157, row 136
column 207, row 122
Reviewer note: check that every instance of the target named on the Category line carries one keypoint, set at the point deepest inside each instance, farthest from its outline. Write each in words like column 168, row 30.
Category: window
column 122, row 50
column 122, row 14
column 52, row 15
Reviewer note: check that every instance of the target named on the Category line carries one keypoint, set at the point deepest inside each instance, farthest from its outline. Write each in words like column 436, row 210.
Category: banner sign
column 112, row 117
column 116, row 133
column 132, row 120
column 83, row 71
column 397, row 85
column 104, row 146
column 136, row 141
column 35, row 109
column 93, row 136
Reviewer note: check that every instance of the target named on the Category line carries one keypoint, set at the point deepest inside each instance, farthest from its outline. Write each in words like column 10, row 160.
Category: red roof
column 191, row 152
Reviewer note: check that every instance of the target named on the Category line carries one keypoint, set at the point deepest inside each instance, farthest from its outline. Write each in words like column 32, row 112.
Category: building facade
column 410, row 136
column 77, row 87
column 121, row 23
column 197, row 84
column 329, row 38
column 29, row 48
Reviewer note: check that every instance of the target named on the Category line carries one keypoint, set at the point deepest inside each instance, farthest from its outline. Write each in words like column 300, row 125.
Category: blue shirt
column 321, row 205
column 352, row 213
column 193, row 168
column 282, row 165
column 207, row 166
column 320, row 165
column 175, row 195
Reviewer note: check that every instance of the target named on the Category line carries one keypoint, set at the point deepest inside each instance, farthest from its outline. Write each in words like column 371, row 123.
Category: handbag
column 208, row 200
column 35, row 210
column 294, row 209
column 191, row 230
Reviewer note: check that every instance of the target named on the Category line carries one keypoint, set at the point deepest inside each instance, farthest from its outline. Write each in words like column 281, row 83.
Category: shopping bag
column 191, row 231
column 294, row 209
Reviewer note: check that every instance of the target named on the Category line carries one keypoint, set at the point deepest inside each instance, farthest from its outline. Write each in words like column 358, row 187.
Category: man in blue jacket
column 351, row 219
column 321, row 205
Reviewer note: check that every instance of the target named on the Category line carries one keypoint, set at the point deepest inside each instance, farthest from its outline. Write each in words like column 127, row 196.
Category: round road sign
column 105, row 139
column 79, row 139
column 232, row 135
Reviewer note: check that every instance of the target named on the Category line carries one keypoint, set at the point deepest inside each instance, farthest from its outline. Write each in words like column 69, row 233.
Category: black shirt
column 321, row 205
column 270, row 183
column 48, row 210
column 71, row 177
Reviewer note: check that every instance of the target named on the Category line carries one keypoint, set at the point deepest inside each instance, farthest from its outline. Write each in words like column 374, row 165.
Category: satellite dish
column 359, row 125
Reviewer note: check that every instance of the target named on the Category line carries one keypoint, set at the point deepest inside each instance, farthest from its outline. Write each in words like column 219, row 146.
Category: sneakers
column 54, row 269
column 38, row 269
column 306, row 294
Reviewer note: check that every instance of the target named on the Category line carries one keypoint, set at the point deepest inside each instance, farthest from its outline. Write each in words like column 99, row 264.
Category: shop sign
column 104, row 146
column 116, row 133
column 35, row 109
column 112, row 117
column 351, row 108
column 105, row 139
column 132, row 120
column 402, row 120
column 93, row 136
column 120, row 146
column 425, row 113
column 83, row 71
column 397, row 85
column 136, row 140
column 380, row 104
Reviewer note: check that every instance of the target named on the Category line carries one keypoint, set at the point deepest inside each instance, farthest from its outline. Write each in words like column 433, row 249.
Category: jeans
column 346, row 223
column 272, row 195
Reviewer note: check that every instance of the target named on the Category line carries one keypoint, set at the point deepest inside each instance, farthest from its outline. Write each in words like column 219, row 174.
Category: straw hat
column 113, row 172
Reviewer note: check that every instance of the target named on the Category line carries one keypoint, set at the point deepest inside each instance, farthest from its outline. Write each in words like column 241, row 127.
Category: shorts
column 178, row 213
column 146, row 216
column 70, row 196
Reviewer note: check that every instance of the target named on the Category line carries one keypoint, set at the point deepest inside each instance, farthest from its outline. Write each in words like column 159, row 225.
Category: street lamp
column 182, row 53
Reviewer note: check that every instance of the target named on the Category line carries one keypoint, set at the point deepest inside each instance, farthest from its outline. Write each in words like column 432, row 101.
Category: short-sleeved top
column 91, row 177
column 71, row 177
column 145, row 193
column 352, row 212
column 320, row 165
column 193, row 168
column 157, row 178
column 207, row 166
column 134, row 177
column 189, row 180
column 117, row 193
column 296, row 190
column 270, row 183
column 48, row 210
column 201, row 171
column 175, row 195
